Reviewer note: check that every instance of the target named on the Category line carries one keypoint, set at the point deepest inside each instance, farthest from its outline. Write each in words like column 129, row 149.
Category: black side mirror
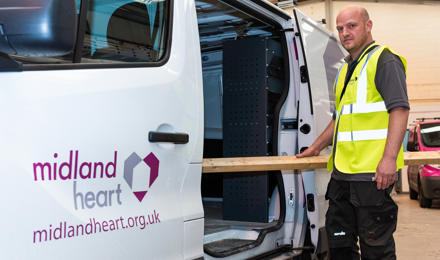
column 37, row 28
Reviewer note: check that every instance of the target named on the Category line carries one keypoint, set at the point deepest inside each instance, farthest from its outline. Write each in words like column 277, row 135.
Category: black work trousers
column 357, row 209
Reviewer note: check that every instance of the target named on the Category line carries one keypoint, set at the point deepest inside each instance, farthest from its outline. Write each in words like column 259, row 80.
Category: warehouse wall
column 411, row 28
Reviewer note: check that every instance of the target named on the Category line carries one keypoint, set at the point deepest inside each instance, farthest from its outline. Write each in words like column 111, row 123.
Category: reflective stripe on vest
column 336, row 79
column 362, row 135
column 361, row 106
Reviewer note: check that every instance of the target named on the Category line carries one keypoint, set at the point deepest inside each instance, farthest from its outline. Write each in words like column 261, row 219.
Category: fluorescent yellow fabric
column 361, row 124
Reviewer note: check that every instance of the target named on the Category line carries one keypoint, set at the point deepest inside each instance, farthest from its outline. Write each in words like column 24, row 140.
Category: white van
column 109, row 106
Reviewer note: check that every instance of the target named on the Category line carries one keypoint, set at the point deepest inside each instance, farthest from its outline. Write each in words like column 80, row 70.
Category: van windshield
column 430, row 134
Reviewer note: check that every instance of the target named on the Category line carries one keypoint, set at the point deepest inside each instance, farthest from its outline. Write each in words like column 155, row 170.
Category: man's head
column 354, row 27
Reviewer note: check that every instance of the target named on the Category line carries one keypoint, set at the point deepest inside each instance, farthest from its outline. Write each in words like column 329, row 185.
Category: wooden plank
column 415, row 158
column 271, row 163
column 266, row 163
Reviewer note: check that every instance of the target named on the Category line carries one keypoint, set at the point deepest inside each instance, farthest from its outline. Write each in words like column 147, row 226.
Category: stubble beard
column 358, row 45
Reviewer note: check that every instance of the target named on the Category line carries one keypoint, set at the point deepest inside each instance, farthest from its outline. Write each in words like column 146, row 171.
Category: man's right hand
column 308, row 153
column 325, row 139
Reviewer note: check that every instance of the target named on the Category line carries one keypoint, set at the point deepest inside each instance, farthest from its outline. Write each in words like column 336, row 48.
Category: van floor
column 214, row 220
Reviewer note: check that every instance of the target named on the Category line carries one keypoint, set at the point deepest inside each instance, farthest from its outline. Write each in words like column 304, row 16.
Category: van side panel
column 81, row 180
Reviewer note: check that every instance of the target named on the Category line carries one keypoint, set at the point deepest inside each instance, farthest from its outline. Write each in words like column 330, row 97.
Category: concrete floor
column 418, row 230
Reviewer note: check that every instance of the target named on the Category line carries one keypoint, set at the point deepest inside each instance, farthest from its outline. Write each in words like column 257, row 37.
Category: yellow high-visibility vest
column 361, row 125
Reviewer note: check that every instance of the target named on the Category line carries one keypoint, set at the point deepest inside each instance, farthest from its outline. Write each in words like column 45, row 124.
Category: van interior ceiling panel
column 243, row 78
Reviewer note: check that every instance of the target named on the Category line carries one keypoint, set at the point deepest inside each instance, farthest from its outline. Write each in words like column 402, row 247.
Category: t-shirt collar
column 348, row 59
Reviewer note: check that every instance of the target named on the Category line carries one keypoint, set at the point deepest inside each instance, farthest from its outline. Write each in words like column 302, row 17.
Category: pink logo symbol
column 131, row 162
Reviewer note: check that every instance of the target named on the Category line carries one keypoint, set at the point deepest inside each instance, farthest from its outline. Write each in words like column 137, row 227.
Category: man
column 367, row 131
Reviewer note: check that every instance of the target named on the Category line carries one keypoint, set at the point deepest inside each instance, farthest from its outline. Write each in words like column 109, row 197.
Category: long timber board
column 273, row 163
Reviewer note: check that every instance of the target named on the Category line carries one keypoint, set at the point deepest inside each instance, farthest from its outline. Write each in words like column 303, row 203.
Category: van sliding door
column 101, row 153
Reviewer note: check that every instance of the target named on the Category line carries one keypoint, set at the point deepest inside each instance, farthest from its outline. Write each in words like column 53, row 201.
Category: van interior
column 243, row 83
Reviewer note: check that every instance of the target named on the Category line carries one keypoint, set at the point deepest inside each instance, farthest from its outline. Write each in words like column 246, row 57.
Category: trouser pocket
column 340, row 219
column 377, row 225
column 377, row 220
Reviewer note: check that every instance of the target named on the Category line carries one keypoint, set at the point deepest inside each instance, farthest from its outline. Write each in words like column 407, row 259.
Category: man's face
column 353, row 30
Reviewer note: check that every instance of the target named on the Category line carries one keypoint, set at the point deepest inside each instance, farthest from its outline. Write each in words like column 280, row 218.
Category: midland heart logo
column 134, row 160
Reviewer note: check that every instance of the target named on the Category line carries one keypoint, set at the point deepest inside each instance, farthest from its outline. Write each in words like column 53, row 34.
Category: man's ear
column 369, row 26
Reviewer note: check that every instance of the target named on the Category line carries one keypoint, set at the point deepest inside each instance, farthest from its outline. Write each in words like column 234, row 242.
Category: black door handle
column 177, row 138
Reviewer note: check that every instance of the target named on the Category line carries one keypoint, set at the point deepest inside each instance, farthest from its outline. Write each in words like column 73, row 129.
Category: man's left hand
column 385, row 173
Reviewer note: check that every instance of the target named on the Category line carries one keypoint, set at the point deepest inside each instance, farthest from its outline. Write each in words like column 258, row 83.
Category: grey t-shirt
column 390, row 82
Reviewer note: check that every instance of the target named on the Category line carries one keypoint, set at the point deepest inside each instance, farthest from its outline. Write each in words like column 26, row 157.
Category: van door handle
column 166, row 137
